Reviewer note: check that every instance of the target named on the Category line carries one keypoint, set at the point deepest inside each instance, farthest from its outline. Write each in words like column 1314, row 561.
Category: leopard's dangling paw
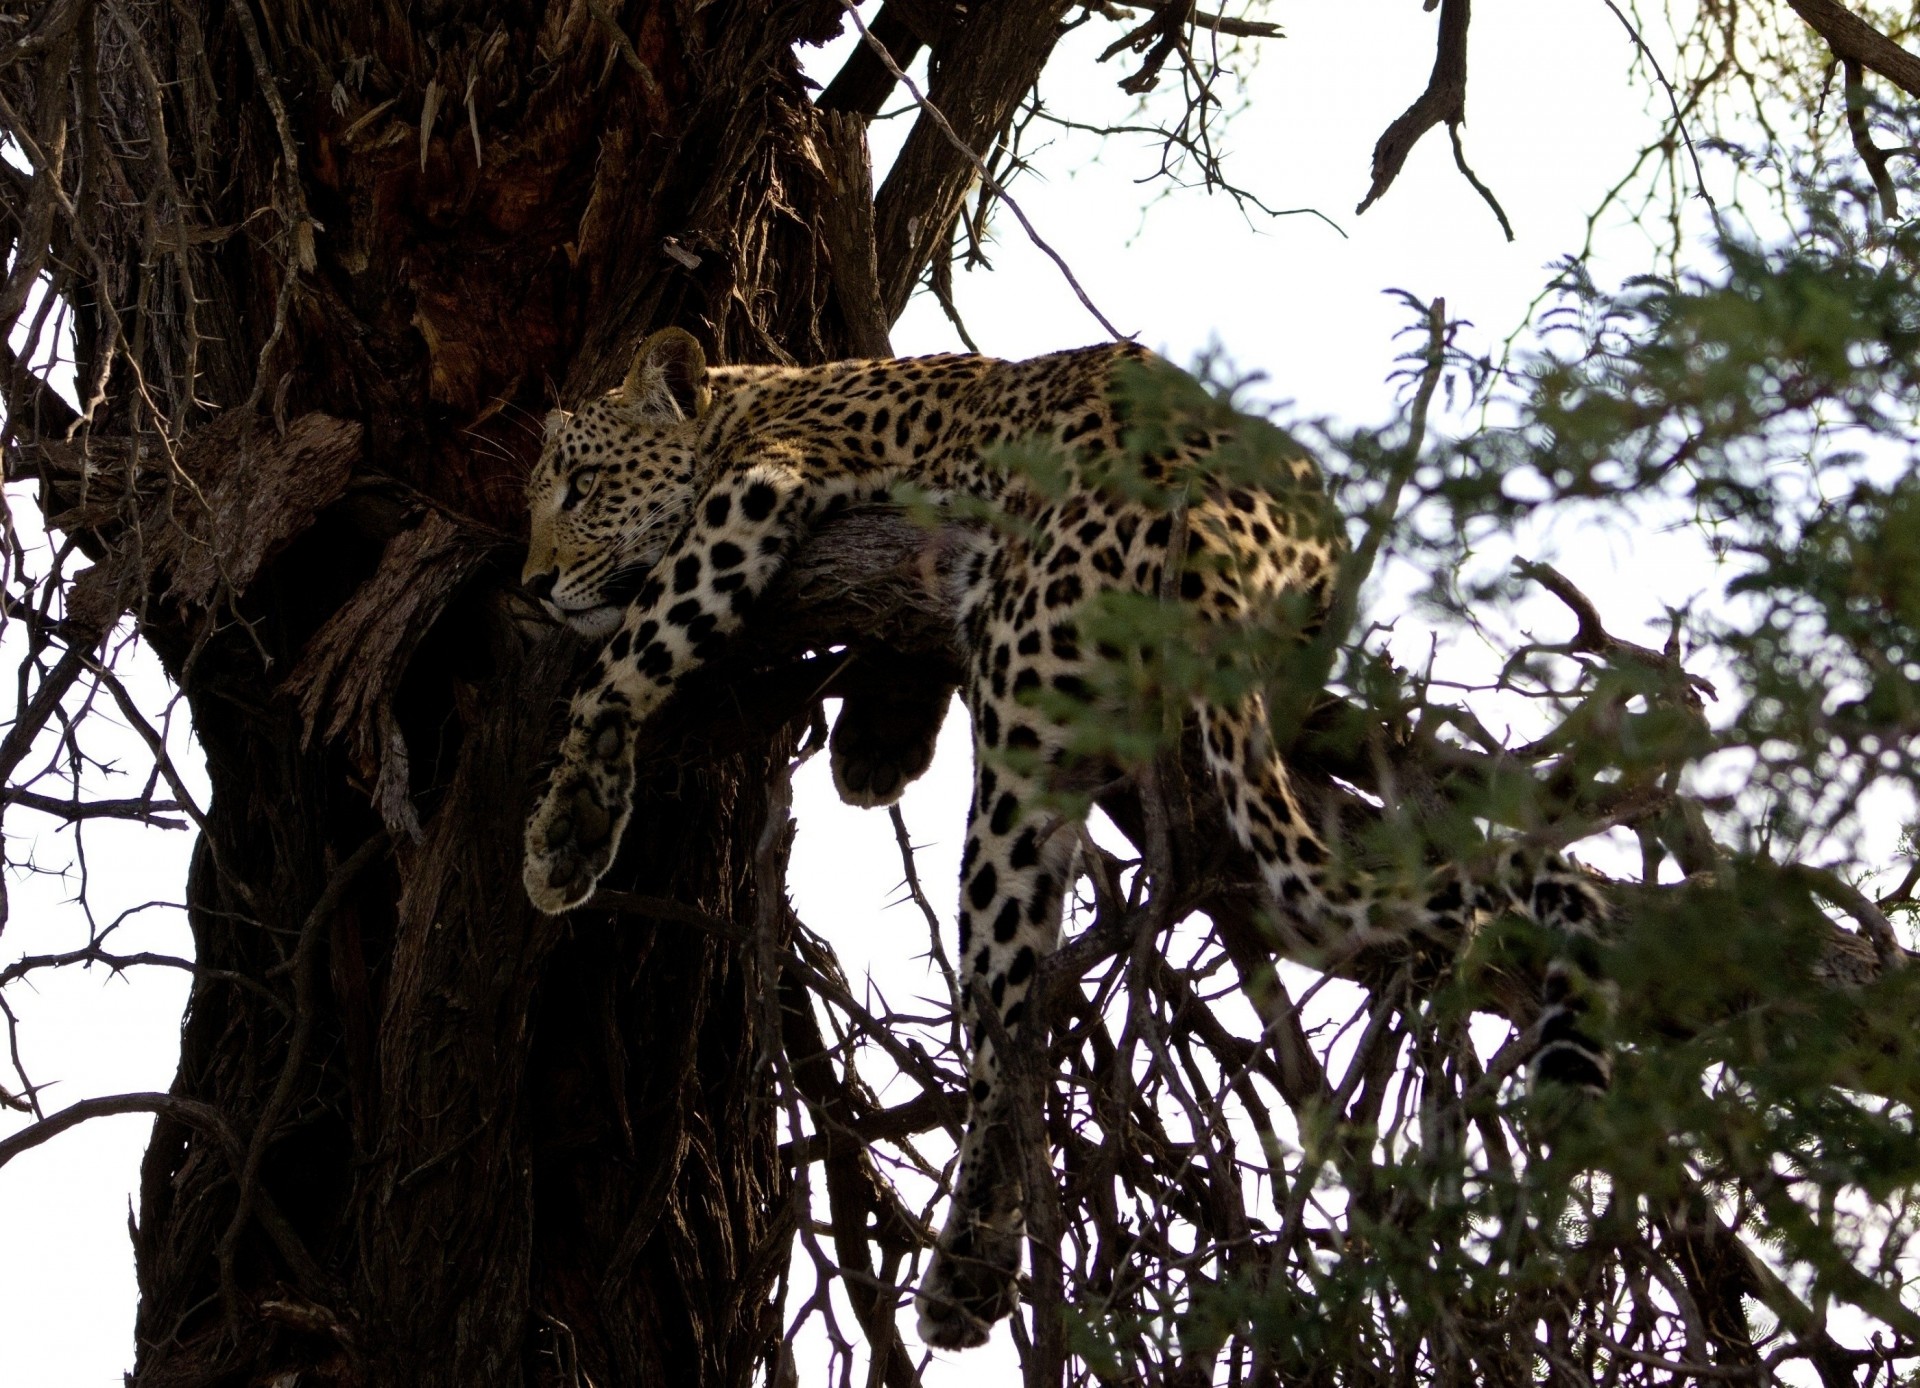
column 574, row 834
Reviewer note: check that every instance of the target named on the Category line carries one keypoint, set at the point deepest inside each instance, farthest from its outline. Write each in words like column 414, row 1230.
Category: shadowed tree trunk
column 331, row 265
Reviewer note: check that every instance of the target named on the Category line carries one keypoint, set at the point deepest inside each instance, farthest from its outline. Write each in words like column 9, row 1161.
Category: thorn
column 473, row 118
column 428, row 110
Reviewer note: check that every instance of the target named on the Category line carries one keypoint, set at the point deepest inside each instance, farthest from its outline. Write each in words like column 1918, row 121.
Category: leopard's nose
column 541, row 585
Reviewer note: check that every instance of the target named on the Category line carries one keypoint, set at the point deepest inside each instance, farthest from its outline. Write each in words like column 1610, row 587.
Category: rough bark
column 327, row 267
column 459, row 1143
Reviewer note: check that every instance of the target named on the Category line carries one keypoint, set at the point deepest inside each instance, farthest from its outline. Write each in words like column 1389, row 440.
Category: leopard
column 661, row 511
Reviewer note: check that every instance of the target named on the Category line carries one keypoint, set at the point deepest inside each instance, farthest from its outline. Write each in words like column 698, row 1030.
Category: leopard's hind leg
column 1019, row 859
column 1266, row 817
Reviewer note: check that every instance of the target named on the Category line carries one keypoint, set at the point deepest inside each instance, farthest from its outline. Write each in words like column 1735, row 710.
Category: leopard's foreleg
column 742, row 530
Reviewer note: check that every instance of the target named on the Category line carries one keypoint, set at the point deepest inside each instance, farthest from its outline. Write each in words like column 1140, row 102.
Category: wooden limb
column 1593, row 638
column 968, row 152
column 1157, row 38
column 1853, row 40
column 624, row 46
column 984, row 69
column 298, row 221
column 197, row 1115
column 1865, row 911
column 193, row 1114
column 120, row 963
column 36, row 406
column 1443, row 101
column 1870, row 154
column 847, row 227
column 1200, row 19
column 1673, row 97
column 854, row 1190
column 863, row 84
column 144, row 810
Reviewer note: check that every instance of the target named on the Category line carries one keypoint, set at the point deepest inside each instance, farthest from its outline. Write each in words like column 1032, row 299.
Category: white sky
column 1553, row 120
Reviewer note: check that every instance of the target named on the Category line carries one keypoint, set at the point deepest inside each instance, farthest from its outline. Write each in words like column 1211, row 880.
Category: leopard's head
column 613, row 485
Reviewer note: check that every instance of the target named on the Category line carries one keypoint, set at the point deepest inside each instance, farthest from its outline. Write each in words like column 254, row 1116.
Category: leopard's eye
column 579, row 488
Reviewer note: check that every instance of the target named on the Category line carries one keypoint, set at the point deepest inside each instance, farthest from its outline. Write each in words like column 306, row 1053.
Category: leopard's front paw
column 572, row 837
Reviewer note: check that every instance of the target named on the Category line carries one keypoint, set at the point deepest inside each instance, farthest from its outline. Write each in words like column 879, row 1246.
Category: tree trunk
column 463, row 1143
column 327, row 267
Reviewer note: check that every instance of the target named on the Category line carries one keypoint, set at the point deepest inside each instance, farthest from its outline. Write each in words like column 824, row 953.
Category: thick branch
column 875, row 578
column 846, row 224
column 862, row 85
column 188, row 1111
column 144, row 809
column 1853, row 40
column 1444, row 100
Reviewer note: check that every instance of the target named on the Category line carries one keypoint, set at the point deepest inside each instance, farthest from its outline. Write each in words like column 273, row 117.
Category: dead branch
column 848, row 229
column 189, row 1111
column 142, row 810
column 1870, row 154
column 862, row 85
column 1444, row 100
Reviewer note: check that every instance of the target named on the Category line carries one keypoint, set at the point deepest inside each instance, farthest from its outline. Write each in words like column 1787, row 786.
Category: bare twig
column 1673, row 97
column 146, row 811
column 611, row 24
column 189, row 1111
column 1870, row 154
column 1865, row 912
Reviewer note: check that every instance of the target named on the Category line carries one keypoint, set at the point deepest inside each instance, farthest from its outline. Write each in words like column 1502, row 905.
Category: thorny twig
column 980, row 167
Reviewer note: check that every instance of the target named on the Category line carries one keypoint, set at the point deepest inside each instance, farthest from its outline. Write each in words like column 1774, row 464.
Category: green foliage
column 1438, row 1222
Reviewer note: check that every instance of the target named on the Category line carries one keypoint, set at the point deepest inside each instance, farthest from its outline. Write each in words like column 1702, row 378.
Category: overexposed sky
column 1553, row 119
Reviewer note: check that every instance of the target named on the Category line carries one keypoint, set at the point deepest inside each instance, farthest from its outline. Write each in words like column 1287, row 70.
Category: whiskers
column 523, row 418
column 644, row 526
column 508, row 412
column 490, row 447
column 623, row 585
column 630, row 568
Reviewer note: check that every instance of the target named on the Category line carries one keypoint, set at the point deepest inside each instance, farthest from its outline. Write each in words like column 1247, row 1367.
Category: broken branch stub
column 352, row 669
column 206, row 514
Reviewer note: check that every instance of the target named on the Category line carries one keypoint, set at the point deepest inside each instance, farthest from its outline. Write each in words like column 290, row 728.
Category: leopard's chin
column 593, row 621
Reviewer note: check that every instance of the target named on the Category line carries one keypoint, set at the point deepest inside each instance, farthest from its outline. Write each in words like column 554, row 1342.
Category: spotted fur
column 663, row 509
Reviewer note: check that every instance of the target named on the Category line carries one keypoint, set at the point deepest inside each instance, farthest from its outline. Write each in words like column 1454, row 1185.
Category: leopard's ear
column 669, row 376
